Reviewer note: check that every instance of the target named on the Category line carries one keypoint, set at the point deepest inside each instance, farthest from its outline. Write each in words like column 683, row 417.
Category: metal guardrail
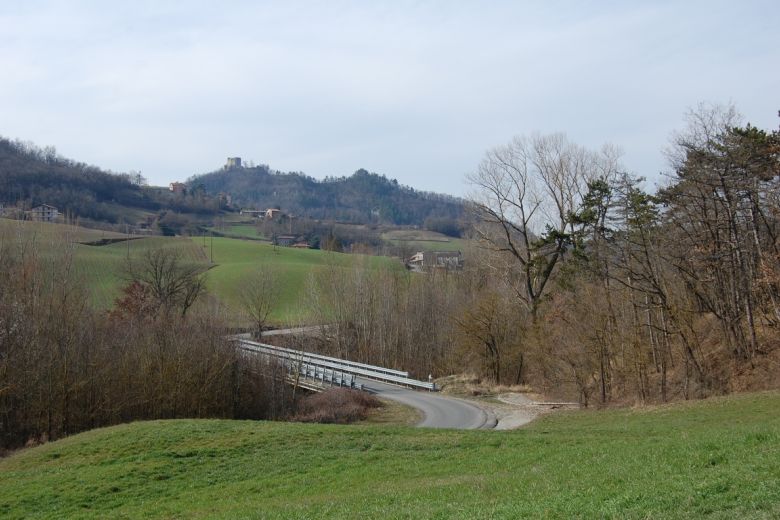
column 382, row 374
column 344, row 362
column 297, row 368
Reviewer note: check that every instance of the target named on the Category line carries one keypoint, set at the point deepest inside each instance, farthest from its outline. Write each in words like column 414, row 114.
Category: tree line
column 584, row 284
column 66, row 367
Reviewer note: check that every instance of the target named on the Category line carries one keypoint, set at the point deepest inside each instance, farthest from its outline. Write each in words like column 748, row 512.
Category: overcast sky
column 413, row 90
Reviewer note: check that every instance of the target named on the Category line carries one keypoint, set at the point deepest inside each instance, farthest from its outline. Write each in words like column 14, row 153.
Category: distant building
column 233, row 162
column 178, row 188
column 429, row 260
column 286, row 240
column 256, row 213
column 270, row 213
column 44, row 213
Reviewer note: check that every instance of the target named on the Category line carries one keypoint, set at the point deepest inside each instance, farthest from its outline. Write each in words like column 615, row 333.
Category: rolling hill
column 360, row 198
column 30, row 176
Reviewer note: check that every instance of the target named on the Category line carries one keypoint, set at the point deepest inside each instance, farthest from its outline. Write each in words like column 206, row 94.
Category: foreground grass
column 718, row 458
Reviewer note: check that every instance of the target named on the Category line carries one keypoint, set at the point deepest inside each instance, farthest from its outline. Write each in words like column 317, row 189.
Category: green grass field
column 237, row 259
column 240, row 231
column 48, row 232
column 718, row 458
column 102, row 267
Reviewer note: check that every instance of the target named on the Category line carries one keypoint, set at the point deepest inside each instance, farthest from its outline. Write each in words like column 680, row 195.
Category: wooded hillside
column 361, row 198
column 30, row 176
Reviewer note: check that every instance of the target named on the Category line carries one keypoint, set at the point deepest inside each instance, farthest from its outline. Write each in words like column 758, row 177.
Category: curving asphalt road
column 438, row 411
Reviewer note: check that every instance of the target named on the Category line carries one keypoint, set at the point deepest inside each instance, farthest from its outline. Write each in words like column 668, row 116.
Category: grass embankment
column 717, row 458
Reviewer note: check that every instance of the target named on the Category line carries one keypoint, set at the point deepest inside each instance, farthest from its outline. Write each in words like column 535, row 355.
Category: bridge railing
column 320, row 357
column 386, row 375
column 297, row 369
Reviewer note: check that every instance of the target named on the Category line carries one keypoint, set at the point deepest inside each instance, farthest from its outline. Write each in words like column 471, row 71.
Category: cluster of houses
column 276, row 213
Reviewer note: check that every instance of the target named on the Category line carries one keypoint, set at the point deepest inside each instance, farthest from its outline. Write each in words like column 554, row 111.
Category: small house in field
column 430, row 260
column 286, row 240
column 44, row 213
column 255, row 213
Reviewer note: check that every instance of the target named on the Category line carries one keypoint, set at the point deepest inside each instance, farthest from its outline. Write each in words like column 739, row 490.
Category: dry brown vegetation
column 65, row 367
column 336, row 406
column 587, row 287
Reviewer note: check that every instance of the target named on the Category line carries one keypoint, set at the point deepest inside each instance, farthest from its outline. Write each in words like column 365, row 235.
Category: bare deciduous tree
column 259, row 295
column 526, row 195
column 173, row 283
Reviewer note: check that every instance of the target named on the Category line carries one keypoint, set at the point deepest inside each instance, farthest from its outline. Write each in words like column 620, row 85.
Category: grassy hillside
column 235, row 260
column 240, row 231
column 717, row 458
column 102, row 267
column 47, row 232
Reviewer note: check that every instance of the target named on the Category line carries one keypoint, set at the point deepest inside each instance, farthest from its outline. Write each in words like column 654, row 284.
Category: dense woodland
column 586, row 286
column 361, row 198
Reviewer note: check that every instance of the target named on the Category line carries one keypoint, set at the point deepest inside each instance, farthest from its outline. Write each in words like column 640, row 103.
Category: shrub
column 336, row 406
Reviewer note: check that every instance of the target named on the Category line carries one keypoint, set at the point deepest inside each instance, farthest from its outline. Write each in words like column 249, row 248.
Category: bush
column 336, row 406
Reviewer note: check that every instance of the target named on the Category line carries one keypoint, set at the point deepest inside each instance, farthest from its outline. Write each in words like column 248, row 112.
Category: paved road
column 438, row 411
